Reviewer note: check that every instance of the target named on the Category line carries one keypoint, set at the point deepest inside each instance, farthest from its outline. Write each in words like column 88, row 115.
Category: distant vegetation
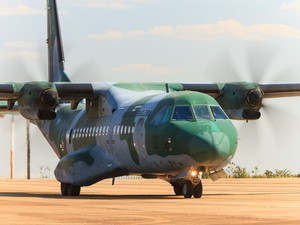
column 235, row 171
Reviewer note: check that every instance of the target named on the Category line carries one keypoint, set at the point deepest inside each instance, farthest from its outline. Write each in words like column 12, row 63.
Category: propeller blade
column 259, row 56
column 222, row 69
column 86, row 72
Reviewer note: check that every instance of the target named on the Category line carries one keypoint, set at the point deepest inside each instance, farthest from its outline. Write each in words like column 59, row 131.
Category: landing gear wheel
column 64, row 189
column 69, row 189
column 198, row 189
column 177, row 189
column 187, row 189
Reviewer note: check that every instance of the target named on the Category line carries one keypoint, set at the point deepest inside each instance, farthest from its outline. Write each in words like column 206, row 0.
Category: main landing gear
column 187, row 188
column 69, row 189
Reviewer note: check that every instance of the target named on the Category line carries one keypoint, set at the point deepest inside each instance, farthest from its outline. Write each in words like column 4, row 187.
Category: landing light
column 194, row 173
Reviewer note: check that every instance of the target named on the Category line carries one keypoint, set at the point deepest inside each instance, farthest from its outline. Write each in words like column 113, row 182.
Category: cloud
column 146, row 68
column 292, row 6
column 19, row 49
column 21, row 10
column 115, row 35
column 19, row 54
column 222, row 29
column 227, row 29
column 19, row 44
column 115, row 4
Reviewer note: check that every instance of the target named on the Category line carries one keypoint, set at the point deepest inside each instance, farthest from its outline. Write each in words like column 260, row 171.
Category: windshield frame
column 208, row 110
column 191, row 110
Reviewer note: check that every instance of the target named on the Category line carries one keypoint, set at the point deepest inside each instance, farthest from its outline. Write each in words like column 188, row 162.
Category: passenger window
column 218, row 113
column 202, row 112
column 182, row 113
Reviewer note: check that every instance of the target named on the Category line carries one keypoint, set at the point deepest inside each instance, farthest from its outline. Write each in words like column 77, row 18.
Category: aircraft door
column 139, row 138
column 114, row 130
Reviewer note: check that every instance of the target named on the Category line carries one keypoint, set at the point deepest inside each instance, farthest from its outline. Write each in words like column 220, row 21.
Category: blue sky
column 168, row 41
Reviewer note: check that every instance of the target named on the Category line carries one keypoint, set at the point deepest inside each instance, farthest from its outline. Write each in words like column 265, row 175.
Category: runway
column 228, row 201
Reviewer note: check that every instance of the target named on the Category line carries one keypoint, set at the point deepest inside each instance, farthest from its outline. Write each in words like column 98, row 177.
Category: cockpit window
column 162, row 116
column 167, row 115
column 182, row 113
column 202, row 112
column 157, row 118
column 218, row 113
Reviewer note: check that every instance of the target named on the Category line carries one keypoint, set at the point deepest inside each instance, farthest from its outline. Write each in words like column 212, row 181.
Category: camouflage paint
column 218, row 137
column 128, row 119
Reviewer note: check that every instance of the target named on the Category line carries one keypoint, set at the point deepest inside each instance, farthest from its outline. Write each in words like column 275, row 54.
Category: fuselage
column 149, row 132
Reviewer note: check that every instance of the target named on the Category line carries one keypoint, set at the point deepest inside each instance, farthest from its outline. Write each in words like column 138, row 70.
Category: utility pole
column 28, row 148
column 12, row 149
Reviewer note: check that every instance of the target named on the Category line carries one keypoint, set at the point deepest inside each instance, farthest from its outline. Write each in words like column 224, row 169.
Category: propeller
column 87, row 71
column 254, row 63
column 249, row 63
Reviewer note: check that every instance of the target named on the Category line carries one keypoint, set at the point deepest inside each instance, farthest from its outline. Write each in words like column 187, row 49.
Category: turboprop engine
column 38, row 101
column 241, row 100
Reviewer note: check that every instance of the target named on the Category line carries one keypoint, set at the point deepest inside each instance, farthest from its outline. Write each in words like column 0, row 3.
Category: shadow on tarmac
column 85, row 196
column 128, row 197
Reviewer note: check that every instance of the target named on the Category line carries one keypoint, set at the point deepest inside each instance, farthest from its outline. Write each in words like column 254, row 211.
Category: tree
column 269, row 174
column 283, row 173
column 240, row 172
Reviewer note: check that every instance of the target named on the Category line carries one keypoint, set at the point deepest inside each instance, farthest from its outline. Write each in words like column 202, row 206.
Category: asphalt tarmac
column 228, row 201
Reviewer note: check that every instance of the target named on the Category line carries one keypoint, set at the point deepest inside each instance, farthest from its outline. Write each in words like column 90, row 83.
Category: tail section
column 55, row 48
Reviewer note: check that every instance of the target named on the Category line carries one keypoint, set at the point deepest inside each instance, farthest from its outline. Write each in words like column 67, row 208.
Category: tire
column 69, row 189
column 73, row 190
column 64, row 189
column 198, row 190
column 187, row 189
column 177, row 189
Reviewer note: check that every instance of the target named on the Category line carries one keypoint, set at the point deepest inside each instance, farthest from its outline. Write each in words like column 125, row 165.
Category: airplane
column 171, row 131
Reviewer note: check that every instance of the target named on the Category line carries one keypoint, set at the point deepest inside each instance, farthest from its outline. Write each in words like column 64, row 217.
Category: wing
column 209, row 88
column 38, row 100
column 280, row 90
column 243, row 100
column 268, row 90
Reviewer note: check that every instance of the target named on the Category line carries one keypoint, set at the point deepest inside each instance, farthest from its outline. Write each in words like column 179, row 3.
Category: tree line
column 235, row 171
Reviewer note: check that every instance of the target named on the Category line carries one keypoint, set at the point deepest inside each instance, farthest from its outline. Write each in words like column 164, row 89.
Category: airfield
column 228, row 201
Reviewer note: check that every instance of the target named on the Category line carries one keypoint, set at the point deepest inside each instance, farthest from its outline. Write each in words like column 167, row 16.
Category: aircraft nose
column 213, row 146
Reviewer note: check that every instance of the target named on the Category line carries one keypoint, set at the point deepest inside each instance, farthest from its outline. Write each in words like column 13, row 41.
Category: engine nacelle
column 241, row 100
column 38, row 101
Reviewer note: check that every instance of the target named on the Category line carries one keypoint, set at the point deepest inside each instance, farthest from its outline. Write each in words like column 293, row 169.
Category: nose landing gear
column 188, row 188
column 69, row 189
column 188, row 183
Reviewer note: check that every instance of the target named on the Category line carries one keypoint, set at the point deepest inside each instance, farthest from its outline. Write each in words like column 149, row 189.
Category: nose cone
column 214, row 144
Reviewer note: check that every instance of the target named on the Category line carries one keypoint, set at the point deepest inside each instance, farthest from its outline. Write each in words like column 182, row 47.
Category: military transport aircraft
column 171, row 131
